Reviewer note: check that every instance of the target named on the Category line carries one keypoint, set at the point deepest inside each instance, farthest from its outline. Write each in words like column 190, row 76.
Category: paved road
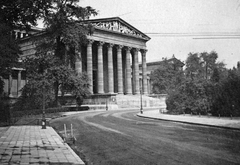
column 120, row 137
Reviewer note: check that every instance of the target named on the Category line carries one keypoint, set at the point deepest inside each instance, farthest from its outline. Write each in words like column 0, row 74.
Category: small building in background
column 151, row 66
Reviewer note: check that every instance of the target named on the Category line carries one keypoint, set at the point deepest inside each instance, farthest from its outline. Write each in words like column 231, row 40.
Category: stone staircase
column 123, row 101
column 134, row 101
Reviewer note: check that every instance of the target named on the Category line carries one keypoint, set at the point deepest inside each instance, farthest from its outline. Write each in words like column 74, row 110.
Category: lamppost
column 43, row 108
column 141, row 107
column 106, row 104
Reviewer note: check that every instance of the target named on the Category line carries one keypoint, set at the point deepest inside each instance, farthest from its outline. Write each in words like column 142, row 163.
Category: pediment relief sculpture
column 118, row 27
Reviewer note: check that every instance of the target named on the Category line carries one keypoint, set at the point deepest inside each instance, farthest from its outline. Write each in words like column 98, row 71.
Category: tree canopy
column 57, row 50
column 166, row 78
column 16, row 14
column 207, row 87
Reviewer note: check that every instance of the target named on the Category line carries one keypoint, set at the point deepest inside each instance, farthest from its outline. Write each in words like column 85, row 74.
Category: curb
column 75, row 155
column 186, row 122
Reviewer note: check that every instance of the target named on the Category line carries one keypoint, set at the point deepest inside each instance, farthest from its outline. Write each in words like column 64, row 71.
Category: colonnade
column 131, row 81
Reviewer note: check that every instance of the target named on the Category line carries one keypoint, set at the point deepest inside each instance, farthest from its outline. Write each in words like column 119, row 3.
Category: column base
column 111, row 93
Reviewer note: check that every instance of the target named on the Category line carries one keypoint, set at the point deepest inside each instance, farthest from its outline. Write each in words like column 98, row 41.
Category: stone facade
column 111, row 59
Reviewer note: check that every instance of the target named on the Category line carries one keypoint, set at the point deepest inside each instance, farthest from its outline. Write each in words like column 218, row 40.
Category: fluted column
column 136, row 72
column 119, row 68
column 129, row 71
column 144, row 72
column 19, row 82
column 78, row 62
column 100, row 67
column 90, row 65
column 110, row 69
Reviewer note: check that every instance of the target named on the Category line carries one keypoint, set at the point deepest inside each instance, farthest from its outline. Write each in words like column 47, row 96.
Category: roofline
column 40, row 31
column 119, row 19
column 159, row 62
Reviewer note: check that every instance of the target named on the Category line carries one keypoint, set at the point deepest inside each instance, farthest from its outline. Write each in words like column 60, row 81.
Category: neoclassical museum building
column 111, row 60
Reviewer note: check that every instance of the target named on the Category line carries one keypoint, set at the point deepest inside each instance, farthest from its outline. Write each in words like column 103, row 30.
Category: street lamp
column 43, row 108
column 106, row 104
column 141, row 107
column 43, row 113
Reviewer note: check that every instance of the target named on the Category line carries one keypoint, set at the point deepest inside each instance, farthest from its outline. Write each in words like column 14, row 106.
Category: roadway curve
column 120, row 137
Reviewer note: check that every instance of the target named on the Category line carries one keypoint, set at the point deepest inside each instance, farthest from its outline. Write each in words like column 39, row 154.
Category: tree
column 226, row 100
column 65, row 33
column 166, row 78
column 201, row 87
column 9, row 52
column 42, row 74
column 23, row 13
column 238, row 67
column 208, row 62
column 201, row 65
column 193, row 65
column 190, row 97
column 16, row 14
column 57, row 48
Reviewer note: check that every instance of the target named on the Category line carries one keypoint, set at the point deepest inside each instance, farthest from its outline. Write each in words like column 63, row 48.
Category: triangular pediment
column 118, row 25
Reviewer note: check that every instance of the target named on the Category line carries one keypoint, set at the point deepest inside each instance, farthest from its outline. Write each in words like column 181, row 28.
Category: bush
column 174, row 103
column 18, row 114
column 226, row 100
column 4, row 111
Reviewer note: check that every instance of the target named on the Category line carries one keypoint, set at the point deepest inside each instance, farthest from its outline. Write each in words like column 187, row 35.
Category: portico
column 112, row 57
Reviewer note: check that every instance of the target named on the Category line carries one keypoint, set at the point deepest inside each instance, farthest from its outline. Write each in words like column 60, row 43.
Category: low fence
column 10, row 117
column 16, row 114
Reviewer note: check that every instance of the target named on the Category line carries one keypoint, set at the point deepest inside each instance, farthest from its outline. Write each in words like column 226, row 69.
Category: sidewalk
column 33, row 145
column 198, row 120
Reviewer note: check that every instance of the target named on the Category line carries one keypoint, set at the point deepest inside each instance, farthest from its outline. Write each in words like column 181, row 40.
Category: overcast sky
column 187, row 25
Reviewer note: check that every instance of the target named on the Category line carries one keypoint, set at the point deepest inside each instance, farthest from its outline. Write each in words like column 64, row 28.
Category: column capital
column 90, row 42
column 110, row 45
column 136, row 49
column 119, row 47
column 143, row 51
column 100, row 43
column 128, row 48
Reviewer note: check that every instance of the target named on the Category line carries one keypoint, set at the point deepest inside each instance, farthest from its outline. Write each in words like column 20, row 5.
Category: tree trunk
column 56, row 85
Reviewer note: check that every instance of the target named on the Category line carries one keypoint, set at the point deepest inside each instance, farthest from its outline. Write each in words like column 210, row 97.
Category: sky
column 180, row 26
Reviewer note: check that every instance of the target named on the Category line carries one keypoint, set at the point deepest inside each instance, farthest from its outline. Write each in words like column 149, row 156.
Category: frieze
column 118, row 27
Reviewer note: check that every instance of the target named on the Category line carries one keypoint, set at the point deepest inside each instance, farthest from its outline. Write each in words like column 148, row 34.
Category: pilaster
column 10, row 86
column 19, row 82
